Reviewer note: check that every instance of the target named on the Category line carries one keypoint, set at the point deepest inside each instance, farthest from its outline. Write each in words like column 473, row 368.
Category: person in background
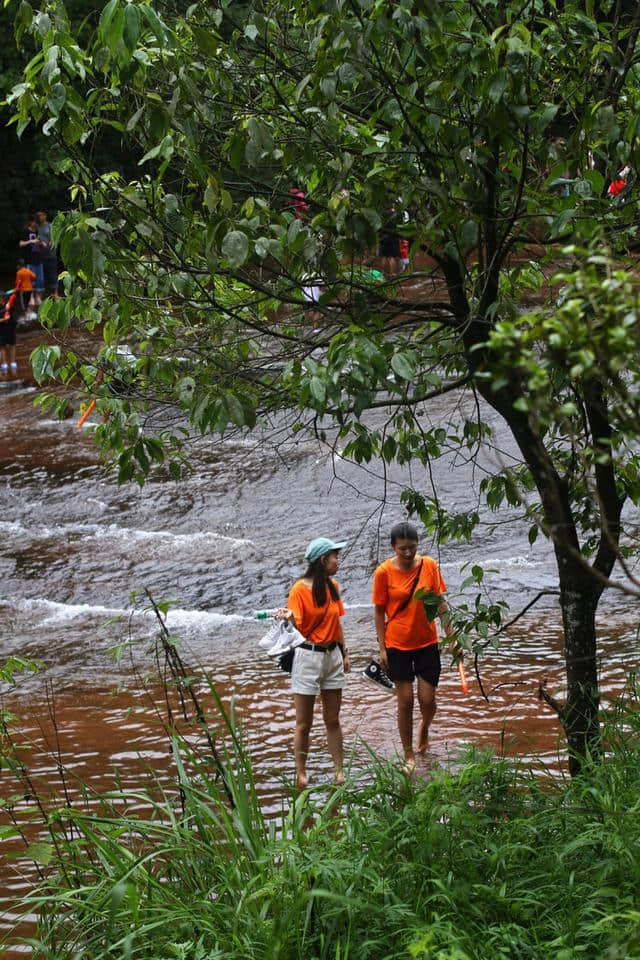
column 25, row 278
column 389, row 245
column 619, row 183
column 403, row 248
column 407, row 638
column 32, row 251
column 8, row 327
column 49, row 258
column 298, row 203
column 403, row 245
column 314, row 608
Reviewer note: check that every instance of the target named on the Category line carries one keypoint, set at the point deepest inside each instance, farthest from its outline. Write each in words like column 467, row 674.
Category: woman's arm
column 343, row 649
column 379, row 620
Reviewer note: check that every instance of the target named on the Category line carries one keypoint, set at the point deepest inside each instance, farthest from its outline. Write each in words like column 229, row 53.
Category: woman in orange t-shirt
column 408, row 640
column 320, row 663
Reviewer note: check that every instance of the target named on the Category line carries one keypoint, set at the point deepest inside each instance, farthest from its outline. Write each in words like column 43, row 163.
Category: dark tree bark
column 579, row 715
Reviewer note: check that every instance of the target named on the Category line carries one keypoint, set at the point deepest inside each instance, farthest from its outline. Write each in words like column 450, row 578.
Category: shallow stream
column 223, row 542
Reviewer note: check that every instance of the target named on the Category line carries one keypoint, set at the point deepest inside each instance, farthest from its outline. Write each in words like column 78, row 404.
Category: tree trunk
column 580, row 712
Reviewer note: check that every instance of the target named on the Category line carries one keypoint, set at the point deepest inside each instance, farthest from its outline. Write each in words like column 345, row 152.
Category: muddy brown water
column 219, row 544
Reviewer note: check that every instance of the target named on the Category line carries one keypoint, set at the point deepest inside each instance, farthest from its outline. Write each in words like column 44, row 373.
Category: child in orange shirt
column 24, row 286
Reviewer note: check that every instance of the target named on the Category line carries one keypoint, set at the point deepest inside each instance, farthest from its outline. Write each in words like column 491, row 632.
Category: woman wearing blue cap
column 320, row 663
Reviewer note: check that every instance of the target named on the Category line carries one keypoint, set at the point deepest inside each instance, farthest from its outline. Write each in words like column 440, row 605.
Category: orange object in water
column 463, row 677
column 86, row 413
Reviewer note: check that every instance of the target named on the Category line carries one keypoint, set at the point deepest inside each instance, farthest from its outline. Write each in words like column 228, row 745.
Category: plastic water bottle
column 266, row 614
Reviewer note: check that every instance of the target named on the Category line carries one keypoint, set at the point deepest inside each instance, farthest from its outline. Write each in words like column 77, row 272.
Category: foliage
column 489, row 861
column 31, row 167
column 496, row 125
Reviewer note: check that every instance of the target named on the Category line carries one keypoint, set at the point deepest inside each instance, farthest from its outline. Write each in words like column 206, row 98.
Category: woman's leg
column 427, row 703
column 331, row 700
column 404, row 695
column 304, row 718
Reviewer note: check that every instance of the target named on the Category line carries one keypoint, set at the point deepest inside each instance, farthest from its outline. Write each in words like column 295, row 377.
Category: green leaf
column 40, row 852
column 235, row 409
column 235, row 248
column 498, row 85
column 469, row 235
column 403, row 365
column 56, row 99
column 186, row 387
column 547, row 115
column 133, row 119
column 318, row 389
column 131, row 30
column 561, row 222
column 107, row 15
column 78, row 253
column 328, row 87
column 158, row 28
column 301, row 86
column 206, row 42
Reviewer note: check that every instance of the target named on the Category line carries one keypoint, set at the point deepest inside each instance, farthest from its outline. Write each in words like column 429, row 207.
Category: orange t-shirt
column 24, row 279
column 410, row 629
column 302, row 604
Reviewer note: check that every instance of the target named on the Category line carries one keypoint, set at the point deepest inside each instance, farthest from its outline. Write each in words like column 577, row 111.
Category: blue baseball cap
column 321, row 545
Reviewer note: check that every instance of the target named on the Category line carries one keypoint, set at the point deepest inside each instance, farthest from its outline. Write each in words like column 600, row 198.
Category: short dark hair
column 20, row 263
column 403, row 531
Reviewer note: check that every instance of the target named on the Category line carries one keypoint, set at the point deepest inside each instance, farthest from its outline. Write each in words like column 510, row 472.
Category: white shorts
column 313, row 671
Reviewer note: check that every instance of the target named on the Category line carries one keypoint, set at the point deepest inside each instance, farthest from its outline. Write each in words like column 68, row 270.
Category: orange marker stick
column 86, row 413
column 463, row 677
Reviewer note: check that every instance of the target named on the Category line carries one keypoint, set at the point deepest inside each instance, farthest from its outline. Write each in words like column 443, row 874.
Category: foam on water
column 204, row 618
column 111, row 531
column 58, row 613
column 518, row 561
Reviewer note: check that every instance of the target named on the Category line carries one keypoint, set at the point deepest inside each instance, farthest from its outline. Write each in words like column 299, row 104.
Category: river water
column 224, row 541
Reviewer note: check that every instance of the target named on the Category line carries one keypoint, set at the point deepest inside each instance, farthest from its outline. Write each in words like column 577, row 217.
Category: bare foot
column 339, row 778
column 423, row 737
column 302, row 781
column 409, row 766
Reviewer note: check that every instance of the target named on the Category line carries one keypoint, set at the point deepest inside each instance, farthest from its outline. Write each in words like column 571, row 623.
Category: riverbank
column 488, row 862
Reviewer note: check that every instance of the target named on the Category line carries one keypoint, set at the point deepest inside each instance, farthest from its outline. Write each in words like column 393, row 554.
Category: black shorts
column 8, row 333
column 409, row 664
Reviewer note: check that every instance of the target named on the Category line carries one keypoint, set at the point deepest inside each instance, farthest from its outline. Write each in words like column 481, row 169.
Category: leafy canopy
column 497, row 125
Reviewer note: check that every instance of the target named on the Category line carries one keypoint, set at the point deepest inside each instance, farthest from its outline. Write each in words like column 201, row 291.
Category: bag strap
column 412, row 588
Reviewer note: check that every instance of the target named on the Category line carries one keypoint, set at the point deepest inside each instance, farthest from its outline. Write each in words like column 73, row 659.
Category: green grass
column 490, row 862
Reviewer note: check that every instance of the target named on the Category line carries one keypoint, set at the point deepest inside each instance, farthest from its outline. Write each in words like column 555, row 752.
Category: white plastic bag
column 282, row 636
